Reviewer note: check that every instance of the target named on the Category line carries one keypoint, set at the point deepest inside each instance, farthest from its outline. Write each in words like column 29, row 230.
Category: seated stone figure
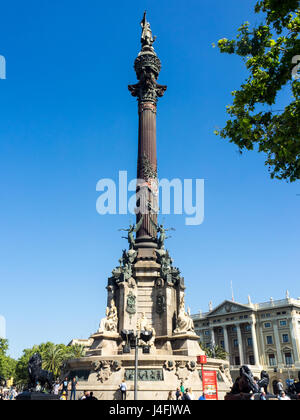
column 184, row 321
column 110, row 322
column 143, row 324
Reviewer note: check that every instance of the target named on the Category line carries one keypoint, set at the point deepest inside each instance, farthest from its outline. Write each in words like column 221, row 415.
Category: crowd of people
column 8, row 394
column 184, row 394
column 67, row 390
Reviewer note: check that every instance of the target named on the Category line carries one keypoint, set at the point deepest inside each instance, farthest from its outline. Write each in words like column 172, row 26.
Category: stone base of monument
column 36, row 396
column 104, row 344
column 157, row 375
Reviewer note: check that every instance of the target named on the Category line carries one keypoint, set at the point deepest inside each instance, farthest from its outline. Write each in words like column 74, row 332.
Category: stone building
column 262, row 335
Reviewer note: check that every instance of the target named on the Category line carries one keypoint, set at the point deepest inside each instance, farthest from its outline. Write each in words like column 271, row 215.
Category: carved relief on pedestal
column 182, row 372
column 110, row 322
column 169, row 365
column 160, row 304
column 184, row 323
column 131, row 304
column 106, row 368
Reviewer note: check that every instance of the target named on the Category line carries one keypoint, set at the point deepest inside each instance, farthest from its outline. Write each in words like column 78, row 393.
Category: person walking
column 56, row 388
column 65, row 386
column 202, row 397
column 73, row 389
column 279, row 388
column 123, row 389
column 177, row 394
column 182, row 388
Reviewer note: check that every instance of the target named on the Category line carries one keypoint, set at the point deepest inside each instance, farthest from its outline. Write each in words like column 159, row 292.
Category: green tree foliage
column 270, row 54
column 53, row 356
column 7, row 364
column 216, row 352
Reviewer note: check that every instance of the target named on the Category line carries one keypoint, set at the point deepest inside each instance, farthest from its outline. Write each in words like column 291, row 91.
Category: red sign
column 210, row 384
column 202, row 360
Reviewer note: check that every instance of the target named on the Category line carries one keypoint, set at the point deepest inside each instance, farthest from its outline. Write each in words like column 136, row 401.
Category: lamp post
column 132, row 341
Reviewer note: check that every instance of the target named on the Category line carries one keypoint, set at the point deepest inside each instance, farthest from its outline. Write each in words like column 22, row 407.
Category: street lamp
column 132, row 341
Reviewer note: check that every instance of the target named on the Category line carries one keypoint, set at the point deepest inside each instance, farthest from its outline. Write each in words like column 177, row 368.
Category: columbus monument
column 146, row 292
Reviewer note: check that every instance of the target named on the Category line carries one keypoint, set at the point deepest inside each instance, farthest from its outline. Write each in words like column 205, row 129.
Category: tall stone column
column 147, row 67
column 226, row 340
column 213, row 337
column 263, row 347
column 278, row 344
column 254, row 341
column 240, row 343
column 295, row 339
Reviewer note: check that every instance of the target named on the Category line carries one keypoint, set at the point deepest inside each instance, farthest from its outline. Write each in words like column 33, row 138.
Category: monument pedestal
column 186, row 345
column 104, row 344
column 157, row 375
column 148, row 293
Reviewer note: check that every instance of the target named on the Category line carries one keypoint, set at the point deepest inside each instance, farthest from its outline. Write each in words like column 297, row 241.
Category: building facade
column 265, row 336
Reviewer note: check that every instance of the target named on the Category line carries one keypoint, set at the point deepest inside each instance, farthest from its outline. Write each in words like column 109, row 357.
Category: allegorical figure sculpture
column 38, row 375
column 143, row 324
column 184, row 321
column 110, row 322
column 132, row 229
column 162, row 231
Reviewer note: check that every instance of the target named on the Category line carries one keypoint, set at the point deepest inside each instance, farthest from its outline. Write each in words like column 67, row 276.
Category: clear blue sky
column 67, row 120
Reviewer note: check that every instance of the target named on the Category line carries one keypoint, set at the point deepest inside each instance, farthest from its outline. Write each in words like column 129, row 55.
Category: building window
column 247, row 327
column 249, row 342
column 222, row 344
column 235, row 343
column 269, row 339
column 251, row 360
column 237, row 361
column 206, row 332
column 285, row 338
column 234, row 329
column 288, row 358
column 272, row 360
column 267, row 324
column 220, row 330
column 282, row 323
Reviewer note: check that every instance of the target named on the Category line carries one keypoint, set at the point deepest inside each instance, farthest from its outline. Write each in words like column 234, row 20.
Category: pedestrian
column 202, row 397
column 180, row 398
column 170, row 396
column 85, row 396
column 279, row 388
column 91, row 397
column 284, row 397
column 73, row 389
column 182, row 388
column 190, row 395
column 263, row 395
column 65, row 385
column 56, row 388
column 123, row 389
column 177, row 394
column 63, row 396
